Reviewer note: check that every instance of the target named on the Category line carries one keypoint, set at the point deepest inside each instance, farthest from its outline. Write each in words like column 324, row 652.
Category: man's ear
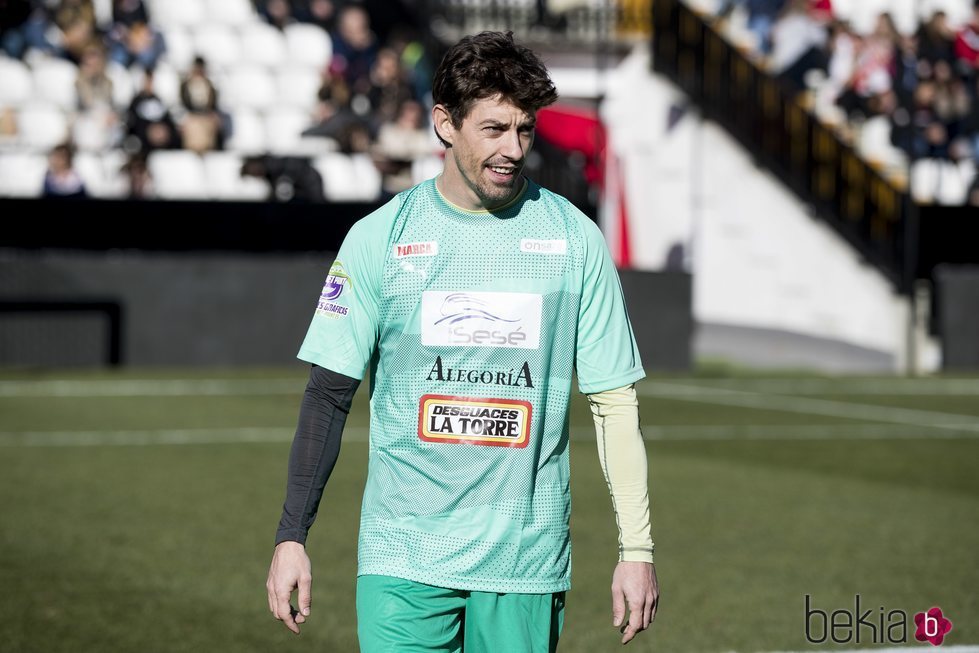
column 442, row 120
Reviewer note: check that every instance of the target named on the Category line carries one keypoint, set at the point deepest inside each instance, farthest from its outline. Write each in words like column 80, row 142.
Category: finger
column 629, row 631
column 618, row 607
column 652, row 615
column 283, row 612
column 647, row 612
column 305, row 596
column 635, row 622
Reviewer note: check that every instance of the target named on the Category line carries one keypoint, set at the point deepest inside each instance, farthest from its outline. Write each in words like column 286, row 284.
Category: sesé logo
column 932, row 626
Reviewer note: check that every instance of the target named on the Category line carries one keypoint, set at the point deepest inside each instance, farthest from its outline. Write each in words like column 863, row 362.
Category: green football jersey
column 472, row 323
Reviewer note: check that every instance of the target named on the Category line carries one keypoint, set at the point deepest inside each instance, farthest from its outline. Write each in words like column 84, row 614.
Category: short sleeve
column 607, row 356
column 344, row 330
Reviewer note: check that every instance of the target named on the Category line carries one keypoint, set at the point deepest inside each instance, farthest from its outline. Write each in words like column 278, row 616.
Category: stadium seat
column 298, row 86
column 22, row 174
column 18, row 83
column 426, row 168
column 284, row 127
column 102, row 180
column 249, row 86
column 54, row 81
column 218, row 44
column 263, row 44
column 308, row 45
column 247, row 132
column 168, row 13
column 231, row 12
column 348, row 178
column 123, row 84
column 180, row 48
column 224, row 180
column 42, row 126
column 177, row 174
column 166, row 83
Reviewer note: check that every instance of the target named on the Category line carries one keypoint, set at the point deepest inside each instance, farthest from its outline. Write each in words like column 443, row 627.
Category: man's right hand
column 290, row 569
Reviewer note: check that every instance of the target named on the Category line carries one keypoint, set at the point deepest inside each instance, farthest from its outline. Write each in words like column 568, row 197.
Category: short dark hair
column 489, row 64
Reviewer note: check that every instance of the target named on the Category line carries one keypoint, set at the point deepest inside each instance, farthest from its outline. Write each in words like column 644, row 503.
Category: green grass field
column 138, row 511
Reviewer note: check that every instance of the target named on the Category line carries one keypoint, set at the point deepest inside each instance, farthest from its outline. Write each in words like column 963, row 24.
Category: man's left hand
column 634, row 585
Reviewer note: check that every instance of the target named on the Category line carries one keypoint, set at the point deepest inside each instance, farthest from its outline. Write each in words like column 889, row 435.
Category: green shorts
column 400, row 615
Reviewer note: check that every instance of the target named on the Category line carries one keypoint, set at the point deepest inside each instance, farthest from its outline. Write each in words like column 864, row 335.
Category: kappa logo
column 464, row 420
column 481, row 319
column 427, row 248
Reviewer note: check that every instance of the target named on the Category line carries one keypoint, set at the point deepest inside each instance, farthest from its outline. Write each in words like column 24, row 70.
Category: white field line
column 767, row 432
column 191, row 387
column 843, row 385
column 868, row 412
column 901, row 649
column 151, row 388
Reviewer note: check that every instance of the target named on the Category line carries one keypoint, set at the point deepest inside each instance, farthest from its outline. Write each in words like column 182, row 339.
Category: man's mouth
column 503, row 171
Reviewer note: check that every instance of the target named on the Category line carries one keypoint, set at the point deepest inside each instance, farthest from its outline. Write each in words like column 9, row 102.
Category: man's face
column 488, row 151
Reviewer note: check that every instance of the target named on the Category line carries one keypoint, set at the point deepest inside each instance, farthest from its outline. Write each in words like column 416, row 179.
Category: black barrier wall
column 957, row 287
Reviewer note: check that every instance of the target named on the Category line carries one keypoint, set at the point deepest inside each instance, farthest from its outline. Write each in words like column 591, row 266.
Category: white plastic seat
column 180, row 47
column 166, row 83
column 425, row 168
column 186, row 13
column 224, row 180
column 263, row 44
column 22, row 174
column 298, row 86
column 248, row 134
column 308, row 45
column 177, row 174
column 348, row 178
column 218, row 44
column 100, row 180
column 231, row 12
column 123, row 84
column 17, row 86
column 42, row 125
column 284, row 127
column 249, row 86
column 54, row 81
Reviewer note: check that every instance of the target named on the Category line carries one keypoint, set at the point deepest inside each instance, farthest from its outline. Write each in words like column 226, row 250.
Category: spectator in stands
column 61, row 179
column 951, row 102
column 354, row 48
column 129, row 12
column 399, row 143
column 333, row 116
column 388, row 89
column 137, row 44
column 13, row 16
column 936, row 40
column 290, row 178
column 873, row 70
column 762, row 15
column 60, row 29
column 149, row 124
column 321, row 13
column 972, row 195
column 799, row 43
column 202, row 126
column 967, row 45
column 97, row 123
column 277, row 13
column 138, row 178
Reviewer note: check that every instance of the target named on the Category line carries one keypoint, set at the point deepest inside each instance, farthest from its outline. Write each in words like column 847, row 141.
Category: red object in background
column 575, row 129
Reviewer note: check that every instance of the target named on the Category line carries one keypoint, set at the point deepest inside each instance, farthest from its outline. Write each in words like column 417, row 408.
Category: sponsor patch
column 428, row 248
column 464, row 420
column 533, row 246
column 336, row 281
column 481, row 319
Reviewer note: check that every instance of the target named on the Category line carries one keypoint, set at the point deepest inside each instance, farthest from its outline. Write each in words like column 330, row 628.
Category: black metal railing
column 875, row 215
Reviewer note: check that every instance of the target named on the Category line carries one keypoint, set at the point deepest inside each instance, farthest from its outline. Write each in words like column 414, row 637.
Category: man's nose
column 512, row 147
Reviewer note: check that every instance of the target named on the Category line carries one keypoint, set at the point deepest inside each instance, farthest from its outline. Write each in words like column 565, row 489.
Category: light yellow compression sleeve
column 623, row 457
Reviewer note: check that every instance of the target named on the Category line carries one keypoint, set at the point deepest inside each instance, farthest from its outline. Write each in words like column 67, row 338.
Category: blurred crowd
column 923, row 84
column 372, row 99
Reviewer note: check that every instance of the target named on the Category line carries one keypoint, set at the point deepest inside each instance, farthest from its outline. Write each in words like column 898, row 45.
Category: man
column 472, row 298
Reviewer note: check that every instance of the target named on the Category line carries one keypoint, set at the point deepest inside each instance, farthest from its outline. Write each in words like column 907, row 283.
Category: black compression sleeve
column 315, row 449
